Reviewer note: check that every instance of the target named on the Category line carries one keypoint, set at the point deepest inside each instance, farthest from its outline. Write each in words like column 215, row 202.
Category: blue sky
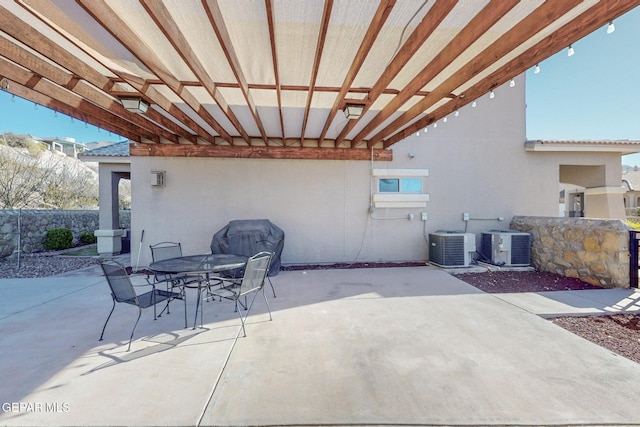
column 595, row 94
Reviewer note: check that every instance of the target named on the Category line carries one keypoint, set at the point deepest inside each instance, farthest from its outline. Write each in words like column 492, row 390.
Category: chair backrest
column 119, row 281
column 255, row 272
column 165, row 250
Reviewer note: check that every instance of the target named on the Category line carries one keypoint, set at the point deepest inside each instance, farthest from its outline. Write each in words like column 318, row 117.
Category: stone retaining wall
column 593, row 250
column 35, row 223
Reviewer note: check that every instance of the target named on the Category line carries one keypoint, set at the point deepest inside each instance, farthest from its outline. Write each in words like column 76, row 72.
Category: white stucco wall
column 476, row 161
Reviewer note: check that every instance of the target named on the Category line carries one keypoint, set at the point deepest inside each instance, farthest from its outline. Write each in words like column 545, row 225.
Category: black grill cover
column 248, row 237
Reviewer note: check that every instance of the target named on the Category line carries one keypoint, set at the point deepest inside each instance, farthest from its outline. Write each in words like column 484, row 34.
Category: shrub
column 58, row 238
column 87, row 238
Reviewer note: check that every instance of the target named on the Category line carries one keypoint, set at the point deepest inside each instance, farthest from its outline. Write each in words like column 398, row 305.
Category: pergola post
column 110, row 234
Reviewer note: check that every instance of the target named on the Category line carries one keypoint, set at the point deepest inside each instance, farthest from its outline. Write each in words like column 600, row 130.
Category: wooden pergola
column 274, row 78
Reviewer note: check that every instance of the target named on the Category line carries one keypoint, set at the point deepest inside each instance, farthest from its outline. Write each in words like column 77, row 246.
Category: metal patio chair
column 165, row 250
column 122, row 291
column 252, row 281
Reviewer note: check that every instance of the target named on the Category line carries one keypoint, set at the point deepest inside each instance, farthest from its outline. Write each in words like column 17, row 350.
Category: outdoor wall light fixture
column 537, row 69
column 571, row 51
column 158, row 178
column 611, row 28
column 353, row 111
column 134, row 104
column 512, row 83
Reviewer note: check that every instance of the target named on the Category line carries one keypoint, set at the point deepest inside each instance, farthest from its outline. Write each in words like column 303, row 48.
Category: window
column 400, row 185
column 400, row 188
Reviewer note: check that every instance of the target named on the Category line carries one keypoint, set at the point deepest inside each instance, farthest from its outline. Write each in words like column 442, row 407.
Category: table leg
column 195, row 319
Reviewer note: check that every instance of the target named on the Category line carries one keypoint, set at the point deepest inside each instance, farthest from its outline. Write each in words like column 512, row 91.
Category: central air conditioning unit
column 506, row 247
column 452, row 248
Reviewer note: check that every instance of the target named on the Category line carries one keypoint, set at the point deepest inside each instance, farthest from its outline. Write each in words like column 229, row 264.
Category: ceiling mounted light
column 537, row 69
column 353, row 111
column 135, row 105
column 611, row 28
column 570, row 52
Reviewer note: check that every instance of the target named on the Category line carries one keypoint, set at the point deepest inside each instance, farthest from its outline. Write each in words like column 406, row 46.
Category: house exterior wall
column 476, row 161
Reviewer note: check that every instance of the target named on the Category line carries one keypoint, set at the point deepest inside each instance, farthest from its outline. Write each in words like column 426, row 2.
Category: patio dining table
column 198, row 265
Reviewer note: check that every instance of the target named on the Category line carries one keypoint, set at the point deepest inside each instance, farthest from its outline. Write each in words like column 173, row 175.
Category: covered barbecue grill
column 248, row 237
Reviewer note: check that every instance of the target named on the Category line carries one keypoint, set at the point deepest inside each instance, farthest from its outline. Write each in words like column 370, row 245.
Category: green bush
column 87, row 238
column 58, row 238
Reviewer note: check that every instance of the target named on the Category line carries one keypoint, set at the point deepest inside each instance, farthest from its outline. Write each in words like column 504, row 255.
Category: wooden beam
column 217, row 21
column 109, row 124
column 54, row 52
column 274, row 57
column 175, row 36
column 27, row 35
column 382, row 13
column 484, row 20
column 536, row 21
column 423, row 30
column 584, row 24
column 24, row 58
column 322, row 35
column 254, row 152
column 111, row 22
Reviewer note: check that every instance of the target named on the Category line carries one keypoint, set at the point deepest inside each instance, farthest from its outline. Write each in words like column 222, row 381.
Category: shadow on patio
column 385, row 346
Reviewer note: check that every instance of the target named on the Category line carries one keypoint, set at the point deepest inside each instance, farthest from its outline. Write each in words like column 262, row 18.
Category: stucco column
column 604, row 202
column 110, row 234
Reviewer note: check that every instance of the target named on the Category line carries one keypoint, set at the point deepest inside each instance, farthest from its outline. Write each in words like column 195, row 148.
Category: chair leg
column 272, row 288
column 241, row 318
column 267, row 301
column 108, row 317
column 184, row 299
column 134, row 327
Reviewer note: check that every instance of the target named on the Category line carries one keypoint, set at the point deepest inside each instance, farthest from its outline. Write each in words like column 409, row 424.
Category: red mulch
column 523, row 281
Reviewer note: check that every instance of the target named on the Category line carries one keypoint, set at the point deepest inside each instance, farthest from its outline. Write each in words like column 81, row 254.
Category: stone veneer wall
column 35, row 223
column 594, row 250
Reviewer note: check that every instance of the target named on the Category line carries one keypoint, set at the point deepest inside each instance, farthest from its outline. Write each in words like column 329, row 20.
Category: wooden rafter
column 525, row 29
column 215, row 17
column 380, row 17
column 322, row 35
column 579, row 27
column 484, row 20
column 104, row 15
column 274, row 57
column 41, row 96
column 27, row 35
column 28, row 60
column 53, row 56
column 417, row 38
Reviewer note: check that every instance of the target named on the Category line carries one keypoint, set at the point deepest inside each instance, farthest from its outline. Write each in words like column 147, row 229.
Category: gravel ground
column 619, row 333
column 43, row 265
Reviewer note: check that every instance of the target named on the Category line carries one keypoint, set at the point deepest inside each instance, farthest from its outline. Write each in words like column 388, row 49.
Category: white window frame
column 399, row 199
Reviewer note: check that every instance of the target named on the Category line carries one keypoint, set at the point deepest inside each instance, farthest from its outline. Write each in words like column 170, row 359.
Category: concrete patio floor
column 393, row 346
